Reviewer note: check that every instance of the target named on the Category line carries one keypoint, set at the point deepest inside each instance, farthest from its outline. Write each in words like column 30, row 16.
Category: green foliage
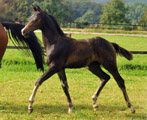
column 89, row 16
column 60, row 9
column 114, row 12
column 128, row 1
column 17, row 9
column 22, row 10
column 143, row 19
column 4, row 12
column 84, row 9
column 135, row 11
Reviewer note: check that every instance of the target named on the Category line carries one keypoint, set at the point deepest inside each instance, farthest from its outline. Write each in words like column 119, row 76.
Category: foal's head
column 34, row 22
column 41, row 20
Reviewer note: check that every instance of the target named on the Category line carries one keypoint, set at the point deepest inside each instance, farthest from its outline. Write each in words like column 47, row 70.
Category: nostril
column 23, row 31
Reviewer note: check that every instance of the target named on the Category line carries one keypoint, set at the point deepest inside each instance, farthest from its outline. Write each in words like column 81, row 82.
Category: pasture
column 18, row 75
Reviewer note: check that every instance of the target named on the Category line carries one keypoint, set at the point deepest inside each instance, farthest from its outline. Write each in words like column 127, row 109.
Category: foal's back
column 85, row 51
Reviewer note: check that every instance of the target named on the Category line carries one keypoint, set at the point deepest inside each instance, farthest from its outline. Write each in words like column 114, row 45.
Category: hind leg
column 95, row 69
column 121, row 84
column 114, row 71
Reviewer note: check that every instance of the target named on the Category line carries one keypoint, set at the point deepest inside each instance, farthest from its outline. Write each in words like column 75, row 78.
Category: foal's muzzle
column 25, row 33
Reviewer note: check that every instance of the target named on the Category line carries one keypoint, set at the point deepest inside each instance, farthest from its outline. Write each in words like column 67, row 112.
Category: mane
column 53, row 24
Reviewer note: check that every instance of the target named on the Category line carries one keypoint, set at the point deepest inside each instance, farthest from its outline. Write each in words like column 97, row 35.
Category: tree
column 4, row 10
column 60, row 9
column 89, row 16
column 136, row 11
column 18, row 9
column 143, row 19
column 81, row 7
column 114, row 12
column 22, row 9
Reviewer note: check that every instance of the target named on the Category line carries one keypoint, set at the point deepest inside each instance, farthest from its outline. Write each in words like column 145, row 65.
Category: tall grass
column 18, row 75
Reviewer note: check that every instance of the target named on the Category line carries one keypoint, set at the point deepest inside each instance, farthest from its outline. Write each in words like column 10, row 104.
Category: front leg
column 52, row 70
column 64, row 84
column 31, row 99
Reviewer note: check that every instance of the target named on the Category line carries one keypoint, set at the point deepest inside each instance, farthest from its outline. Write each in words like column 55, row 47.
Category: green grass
column 18, row 75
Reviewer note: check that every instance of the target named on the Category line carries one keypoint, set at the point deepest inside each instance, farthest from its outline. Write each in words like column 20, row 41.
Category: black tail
column 122, row 51
column 14, row 32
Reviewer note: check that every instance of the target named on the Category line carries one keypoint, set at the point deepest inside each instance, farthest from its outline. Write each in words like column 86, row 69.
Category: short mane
column 57, row 26
column 54, row 25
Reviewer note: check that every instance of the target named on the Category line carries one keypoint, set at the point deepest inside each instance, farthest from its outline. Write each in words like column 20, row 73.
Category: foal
column 63, row 52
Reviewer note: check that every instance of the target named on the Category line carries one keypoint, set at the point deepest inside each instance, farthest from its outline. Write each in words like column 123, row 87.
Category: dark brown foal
column 63, row 52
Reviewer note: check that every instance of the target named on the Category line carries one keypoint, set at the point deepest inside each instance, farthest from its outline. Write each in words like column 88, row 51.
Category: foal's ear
column 34, row 8
column 38, row 9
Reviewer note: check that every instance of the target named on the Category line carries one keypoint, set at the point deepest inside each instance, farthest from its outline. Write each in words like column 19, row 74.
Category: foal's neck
column 49, row 38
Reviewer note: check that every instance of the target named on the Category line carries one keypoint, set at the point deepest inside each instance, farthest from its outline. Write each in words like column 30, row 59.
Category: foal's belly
column 79, row 61
column 76, row 64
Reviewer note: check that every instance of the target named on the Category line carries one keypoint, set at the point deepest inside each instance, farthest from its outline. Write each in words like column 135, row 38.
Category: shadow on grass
column 13, row 108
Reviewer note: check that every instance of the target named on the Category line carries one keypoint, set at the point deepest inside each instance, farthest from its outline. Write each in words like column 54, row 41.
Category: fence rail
column 126, row 26
column 19, row 47
column 108, row 34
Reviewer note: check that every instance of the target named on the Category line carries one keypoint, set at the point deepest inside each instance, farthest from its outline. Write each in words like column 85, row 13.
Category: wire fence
column 104, row 26
column 108, row 34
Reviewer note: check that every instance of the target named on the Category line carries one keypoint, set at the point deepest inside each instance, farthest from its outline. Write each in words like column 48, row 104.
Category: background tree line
column 87, row 11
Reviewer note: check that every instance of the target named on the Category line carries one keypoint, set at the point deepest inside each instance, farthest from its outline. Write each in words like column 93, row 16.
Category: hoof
column 95, row 107
column 30, row 111
column 69, row 110
column 132, row 110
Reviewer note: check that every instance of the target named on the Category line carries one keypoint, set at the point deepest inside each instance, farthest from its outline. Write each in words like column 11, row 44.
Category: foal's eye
column 35, row 20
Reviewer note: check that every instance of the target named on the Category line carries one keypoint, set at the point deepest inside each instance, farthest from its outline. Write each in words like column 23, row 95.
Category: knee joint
column 38, row 83
column 106, row 78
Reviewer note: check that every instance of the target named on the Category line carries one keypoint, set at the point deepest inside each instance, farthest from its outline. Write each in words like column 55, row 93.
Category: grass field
column 18, row 75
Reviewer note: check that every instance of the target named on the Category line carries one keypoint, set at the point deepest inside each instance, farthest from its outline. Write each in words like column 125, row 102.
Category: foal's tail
column 14, row 32
column 121, row 51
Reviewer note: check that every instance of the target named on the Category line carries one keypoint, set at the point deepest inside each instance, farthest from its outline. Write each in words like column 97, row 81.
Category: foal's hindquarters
column 106, row 53
column 3, row 42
